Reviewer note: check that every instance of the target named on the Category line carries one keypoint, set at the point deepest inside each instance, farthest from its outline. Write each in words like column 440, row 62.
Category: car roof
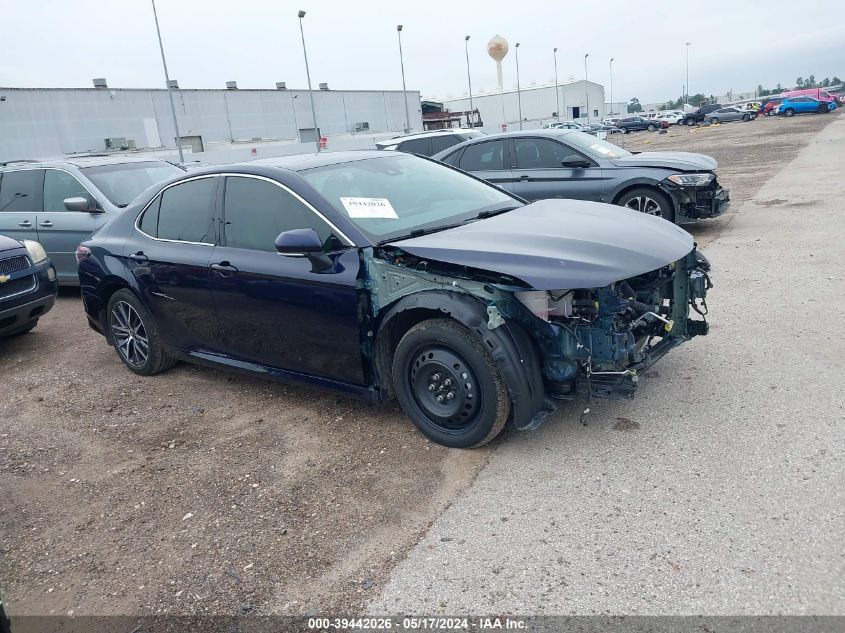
column 298, row 162
column 78, row 161
column 409, row 137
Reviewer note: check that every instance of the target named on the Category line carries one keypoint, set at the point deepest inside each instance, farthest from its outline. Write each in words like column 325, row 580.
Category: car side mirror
column 575, row 162
column 304, row 242
column 81, row 204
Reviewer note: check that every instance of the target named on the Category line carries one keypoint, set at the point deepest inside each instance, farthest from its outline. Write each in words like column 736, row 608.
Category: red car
column 769, row 107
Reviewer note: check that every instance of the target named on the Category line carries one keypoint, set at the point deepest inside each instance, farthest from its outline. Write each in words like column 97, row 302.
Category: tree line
column 699, row 99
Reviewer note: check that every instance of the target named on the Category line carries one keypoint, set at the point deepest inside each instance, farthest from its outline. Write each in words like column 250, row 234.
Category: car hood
column 7, row 243
column 559, row 244
column 682, row 161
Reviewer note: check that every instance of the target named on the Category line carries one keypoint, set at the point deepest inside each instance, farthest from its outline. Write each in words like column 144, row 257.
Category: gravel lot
column 199, row 491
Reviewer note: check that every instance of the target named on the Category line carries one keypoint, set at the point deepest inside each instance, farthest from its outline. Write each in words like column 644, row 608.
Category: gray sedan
column 723, row 115
column 540, row 164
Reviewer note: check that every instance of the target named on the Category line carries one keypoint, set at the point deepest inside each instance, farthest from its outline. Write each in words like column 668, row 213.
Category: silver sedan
column 722, row 115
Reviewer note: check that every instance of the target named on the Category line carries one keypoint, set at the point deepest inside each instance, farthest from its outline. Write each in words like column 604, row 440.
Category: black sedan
column 383, row 274
column 28, row 285
column 540, row 164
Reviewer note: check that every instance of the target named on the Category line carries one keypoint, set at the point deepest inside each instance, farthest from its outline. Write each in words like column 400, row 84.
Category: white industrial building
column 51, row 122
column 539, row 104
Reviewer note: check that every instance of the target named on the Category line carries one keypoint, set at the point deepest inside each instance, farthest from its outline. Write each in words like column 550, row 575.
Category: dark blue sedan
column 28, row 285
column 389, row 275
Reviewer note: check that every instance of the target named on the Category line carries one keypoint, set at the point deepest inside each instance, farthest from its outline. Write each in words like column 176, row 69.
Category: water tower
column 497, row 48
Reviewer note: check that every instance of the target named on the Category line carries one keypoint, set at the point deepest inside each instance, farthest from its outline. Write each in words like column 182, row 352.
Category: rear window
column 415, row 146
column 439, row 143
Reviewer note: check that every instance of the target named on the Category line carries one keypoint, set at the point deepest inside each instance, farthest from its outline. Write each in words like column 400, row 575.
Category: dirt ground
column 198, row 491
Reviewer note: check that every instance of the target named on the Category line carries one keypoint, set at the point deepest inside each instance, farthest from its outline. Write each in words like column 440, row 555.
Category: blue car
column 384, row 274
column 28, row 285
column 800, row 105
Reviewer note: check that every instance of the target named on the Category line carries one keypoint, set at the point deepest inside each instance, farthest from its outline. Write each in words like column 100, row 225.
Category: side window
column 149, row 221
column 487, row 156
column 185, row 212
column 256, row 211
column 439, row 143
column 540, row 153
column 452, row 159
column 59, row 185
column 19, row 191
column 415, row 146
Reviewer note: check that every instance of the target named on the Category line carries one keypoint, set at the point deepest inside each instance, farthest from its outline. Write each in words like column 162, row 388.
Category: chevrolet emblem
column 4, row 278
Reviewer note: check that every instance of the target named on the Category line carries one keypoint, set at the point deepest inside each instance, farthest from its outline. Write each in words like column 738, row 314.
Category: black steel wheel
column 134, row 335
column 449, row 385
column 650, row 201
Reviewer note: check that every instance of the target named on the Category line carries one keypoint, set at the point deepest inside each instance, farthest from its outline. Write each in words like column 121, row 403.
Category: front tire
column 649, row 201
column 624, row 130
column 690, row 122
column 823, row 108
column 789, row 112
column 713, row 121
column 651, row 128
column 746, row 117
column 135, row 336
column 449, row 385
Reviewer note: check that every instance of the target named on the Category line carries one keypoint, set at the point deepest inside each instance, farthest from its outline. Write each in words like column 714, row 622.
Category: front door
column 277, row 311
column 538, row 172
column 169, row 256
column 20, row 201
column 60, row 231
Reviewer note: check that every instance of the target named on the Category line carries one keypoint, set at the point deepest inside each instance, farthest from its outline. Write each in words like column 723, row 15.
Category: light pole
column 169, row 88
column 518, row 93
column 469, row 82
column 308, row 75
column 404, row 93
column 611, row 85
column 686, row 97
column 557, row 92
column 587, row 86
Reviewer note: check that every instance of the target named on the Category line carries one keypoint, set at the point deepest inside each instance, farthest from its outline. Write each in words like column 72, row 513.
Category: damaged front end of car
column 551, row 341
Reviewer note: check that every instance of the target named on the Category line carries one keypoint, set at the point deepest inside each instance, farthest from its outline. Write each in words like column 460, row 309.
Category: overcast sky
column 353, row 44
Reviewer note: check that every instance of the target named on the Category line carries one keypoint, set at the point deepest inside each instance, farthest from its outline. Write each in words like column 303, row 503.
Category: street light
column 557, row 92
column 169, row 87
column 611, row 85
column 587, row 86
column 404, row 93
column 518, row 93
column 308, row 75
column 686, row 98
column 469, row 82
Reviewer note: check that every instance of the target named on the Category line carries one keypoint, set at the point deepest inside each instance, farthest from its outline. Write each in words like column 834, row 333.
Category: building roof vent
column 231, row 85
column 324, row 86
column 173, row 84
column 281, row 85
column 100, row 83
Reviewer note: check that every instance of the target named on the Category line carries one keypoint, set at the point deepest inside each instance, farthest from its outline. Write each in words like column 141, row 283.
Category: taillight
column 82, row 253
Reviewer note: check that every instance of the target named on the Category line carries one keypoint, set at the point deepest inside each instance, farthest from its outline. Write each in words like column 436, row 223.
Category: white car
column 672, row 118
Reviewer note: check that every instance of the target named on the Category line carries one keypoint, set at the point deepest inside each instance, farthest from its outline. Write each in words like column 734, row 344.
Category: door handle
column 224, row 267
column 139, row 257
column 25, row 223
column 524, row 177
column 45, row 223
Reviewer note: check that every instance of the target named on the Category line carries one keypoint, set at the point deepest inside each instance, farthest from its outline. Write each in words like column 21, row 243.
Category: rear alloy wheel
column 789, row 112
column 649, row 201
column 135, row 336
column 449, row 385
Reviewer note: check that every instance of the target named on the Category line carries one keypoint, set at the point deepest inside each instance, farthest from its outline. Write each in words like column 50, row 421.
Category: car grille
column 13, row 264
column 17, row 286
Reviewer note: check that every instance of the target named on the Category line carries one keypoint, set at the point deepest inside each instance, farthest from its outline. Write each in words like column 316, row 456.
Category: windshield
column 401, row 194
column 594, row 146
column 124, row 182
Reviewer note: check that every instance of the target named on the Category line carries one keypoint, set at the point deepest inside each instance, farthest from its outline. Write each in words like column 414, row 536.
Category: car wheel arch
column 105, row 291
column 510, row 346
column 646, row 184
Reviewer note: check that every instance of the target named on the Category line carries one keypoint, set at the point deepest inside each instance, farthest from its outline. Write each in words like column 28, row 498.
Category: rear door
column 169, row 256
column 60, row 231
column 538, row 173
column 488, row 160
column 20, row 202
column 275, row 310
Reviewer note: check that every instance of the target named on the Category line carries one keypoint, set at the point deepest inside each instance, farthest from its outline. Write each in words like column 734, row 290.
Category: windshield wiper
column 489, row 214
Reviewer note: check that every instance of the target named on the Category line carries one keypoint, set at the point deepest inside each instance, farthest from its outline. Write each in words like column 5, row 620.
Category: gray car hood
column 683, row 161
column 559, row 244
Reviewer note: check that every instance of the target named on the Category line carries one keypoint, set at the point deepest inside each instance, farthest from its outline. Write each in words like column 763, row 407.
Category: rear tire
column 648, row 200
column 746, row 117
column 713, row 121
column 135, row 336
column 690, row 122
column 449, row 385
column 651, row 128
column 624, row 130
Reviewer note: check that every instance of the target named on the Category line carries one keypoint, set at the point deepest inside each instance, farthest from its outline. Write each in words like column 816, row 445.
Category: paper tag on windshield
column 369, row 208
